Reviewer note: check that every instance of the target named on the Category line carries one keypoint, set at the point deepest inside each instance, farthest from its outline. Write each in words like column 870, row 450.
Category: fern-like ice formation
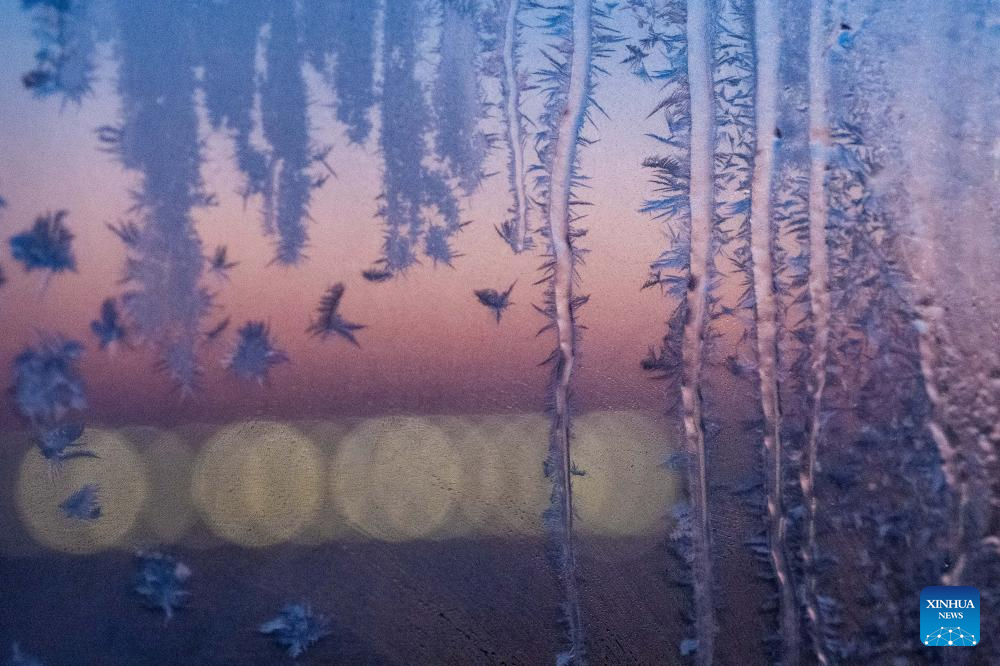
column 340, row 44
column 46, row 246
column 328, row 319
column 160, row 581
column 515, row 230
column 819, row 298
column 675, row 50
column 417, row 207
column 457, row 95
column 581, row 33
column 254, row 353
column 64, row 61
column 702, row 210
column 48, row 385
column 84, row 504
column 164, row 301
column 767, row 48
column 296, row 627
column 285, row 127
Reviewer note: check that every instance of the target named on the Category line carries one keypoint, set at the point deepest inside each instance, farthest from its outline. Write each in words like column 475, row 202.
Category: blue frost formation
column 285, row 125
column 495, row 300
column 227, row 39
column 296, row 627
column 84, row 504
column 47, row 381
column 457, row 96
column 64, row 62
column 46, row 246
column 219, row 264
column 48, row 389
column 126, row 231
column 254, row 354
column 504, row 62
column 411, row 189
column 580, row 33
column 165, row 301
column 18, row 658
column 340, row 44
column 217, row 330
column 160, row 582
column 329, row 321
column 58, row 443
column 109, row 328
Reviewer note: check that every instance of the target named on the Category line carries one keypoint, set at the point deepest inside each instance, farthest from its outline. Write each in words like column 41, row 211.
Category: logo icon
column 949, row 616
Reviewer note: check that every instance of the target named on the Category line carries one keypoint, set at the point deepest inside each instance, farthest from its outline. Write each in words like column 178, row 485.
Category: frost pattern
column 580, row 32
column 417, row 205
column 47, row 381
column 254, row 354
column 64, row 62
column 160, row 582
column 47, row 245
column 457, row 95
column 19, row 658
column 328, row 319
column 296, row 628
column 165, row 299
column 84, row 504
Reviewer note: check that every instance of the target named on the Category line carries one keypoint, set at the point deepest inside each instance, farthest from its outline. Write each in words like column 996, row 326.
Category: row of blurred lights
column 393, row 478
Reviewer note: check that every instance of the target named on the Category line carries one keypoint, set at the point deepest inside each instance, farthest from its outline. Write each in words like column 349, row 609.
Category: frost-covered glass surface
column 497, row 331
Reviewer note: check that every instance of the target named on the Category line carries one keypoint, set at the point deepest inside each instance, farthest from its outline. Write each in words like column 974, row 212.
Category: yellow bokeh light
column 396, row 478
column 625, row 490
column 258, row 483
column 119, row 473
column 327, row 524
column 512, row 490
column 169, row 462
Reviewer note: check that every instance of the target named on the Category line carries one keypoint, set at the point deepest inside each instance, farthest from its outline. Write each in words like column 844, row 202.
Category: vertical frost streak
column 819, row 147
column 702, row 213
column 515, row 138
column 558, row 212
column 765, row 105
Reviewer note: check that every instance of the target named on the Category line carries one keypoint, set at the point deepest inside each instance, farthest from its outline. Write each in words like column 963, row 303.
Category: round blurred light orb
column 622, row 487
column 512, row 490
column 169, row 462
column 327, row 524
column 120, row 476
column 258, row 483
column 396, row 478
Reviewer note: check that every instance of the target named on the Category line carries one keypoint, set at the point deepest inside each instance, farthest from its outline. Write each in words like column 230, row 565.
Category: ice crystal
column 18, row 658
column 495, row 300
column 296, row 628
column 127, row 232
column 46, row 246
column 340, row 43
column 84, row 504
column 414, row 194
column 160, row 582
column 254, row 354
column 458, row 98
column 47, row 381
column 64, row 60
column 108, row 328
column 58, row 443
column 219, row 264
column 329, row 321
